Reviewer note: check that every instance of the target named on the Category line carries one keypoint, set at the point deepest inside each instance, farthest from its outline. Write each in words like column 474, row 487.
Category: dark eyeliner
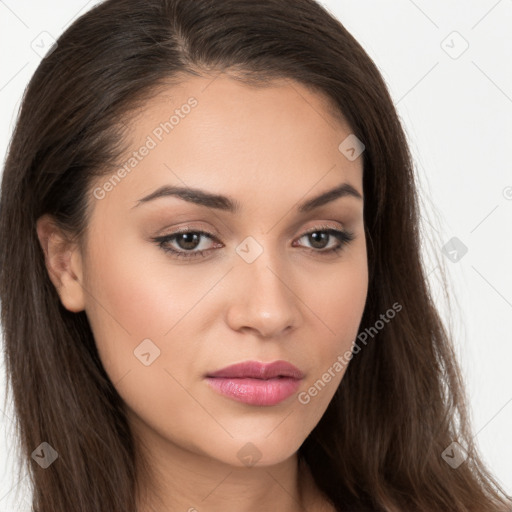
column 343, row 236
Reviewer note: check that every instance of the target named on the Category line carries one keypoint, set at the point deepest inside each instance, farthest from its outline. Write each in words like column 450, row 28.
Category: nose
column 265, row 301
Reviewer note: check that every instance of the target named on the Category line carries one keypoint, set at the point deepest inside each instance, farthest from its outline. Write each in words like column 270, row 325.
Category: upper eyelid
column 343, row 236
column 214, row 238
column 215, row 234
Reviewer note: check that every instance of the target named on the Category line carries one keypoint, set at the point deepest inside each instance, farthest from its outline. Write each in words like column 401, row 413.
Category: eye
column 320, row 236
column 186, row 241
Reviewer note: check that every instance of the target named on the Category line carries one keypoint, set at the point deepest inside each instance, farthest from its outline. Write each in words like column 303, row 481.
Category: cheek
column 337, row 302
column 337, row 296
column 144, row 308
column 138, row 290
column 142, row 318
column 130, row 299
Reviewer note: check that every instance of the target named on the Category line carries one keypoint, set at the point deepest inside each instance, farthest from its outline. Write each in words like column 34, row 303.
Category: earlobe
column 63, row 262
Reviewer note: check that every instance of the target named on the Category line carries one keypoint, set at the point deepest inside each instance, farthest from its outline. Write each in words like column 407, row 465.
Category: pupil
column 315, row 236
column 188, row 237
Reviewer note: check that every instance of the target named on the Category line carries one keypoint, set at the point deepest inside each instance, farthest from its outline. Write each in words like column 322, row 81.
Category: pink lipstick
column 256, row 383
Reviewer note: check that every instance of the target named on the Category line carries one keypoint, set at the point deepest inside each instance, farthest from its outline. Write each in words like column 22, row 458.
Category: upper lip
column 257, row 370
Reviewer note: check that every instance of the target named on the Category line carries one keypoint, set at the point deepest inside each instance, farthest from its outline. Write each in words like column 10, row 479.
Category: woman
column 212, row 295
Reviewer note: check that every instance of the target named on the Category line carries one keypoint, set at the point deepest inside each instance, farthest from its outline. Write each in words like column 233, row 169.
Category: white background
column 457, row 112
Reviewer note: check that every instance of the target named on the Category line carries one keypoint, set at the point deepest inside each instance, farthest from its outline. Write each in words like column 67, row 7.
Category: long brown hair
column 401, row 402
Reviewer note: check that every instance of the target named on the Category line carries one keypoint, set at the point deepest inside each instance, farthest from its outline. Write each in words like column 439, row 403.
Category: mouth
column 257, row 370
column 256, row 383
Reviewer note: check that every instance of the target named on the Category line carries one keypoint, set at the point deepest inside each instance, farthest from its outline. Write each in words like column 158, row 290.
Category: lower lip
column 255, row 391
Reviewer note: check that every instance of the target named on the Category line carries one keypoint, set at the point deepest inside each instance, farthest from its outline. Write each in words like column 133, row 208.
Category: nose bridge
column 265, row 300
column 262, row 263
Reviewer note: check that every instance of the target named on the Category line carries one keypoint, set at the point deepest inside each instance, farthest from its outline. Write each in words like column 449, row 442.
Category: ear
column 63, row 261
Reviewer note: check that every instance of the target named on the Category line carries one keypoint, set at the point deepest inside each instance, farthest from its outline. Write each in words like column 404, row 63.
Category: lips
column 255, row 383
column 256, row 370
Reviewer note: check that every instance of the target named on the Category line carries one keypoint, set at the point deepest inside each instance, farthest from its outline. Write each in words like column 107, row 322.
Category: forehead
column 225, row 136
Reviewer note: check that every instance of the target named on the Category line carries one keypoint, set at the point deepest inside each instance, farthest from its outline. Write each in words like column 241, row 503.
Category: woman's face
column 244, row 285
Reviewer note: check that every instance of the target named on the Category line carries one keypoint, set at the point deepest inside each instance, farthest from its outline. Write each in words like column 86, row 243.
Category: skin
column 270, row 149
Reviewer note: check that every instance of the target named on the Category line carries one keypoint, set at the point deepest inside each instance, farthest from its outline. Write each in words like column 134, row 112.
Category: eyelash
column 344, row 238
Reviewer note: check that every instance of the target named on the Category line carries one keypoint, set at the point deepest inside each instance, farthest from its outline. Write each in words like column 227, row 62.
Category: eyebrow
column 220, row 202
